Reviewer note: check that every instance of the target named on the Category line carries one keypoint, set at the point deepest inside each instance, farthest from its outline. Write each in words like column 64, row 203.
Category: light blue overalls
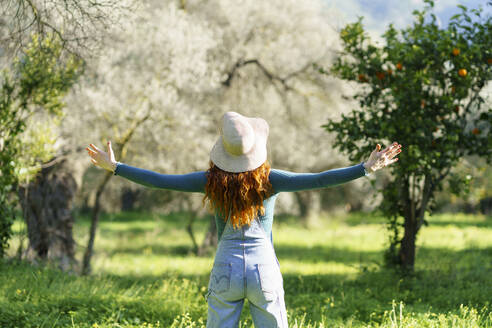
column 245, row 265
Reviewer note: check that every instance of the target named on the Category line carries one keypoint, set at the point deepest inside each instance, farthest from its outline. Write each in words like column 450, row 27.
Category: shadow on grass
column 362, row 218
column 176, row 218
column 156, row 249
column 462, row 224
column 319, row 254
column 351, row 219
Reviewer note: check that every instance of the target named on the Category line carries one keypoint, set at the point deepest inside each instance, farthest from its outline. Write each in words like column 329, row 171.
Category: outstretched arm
column 191, row 182
column 291, row 181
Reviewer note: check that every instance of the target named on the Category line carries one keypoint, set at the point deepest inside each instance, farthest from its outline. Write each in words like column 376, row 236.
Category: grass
column 145, row 276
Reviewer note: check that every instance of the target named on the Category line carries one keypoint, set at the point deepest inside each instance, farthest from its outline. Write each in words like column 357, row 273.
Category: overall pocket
column 270, row 277
column 220, row 277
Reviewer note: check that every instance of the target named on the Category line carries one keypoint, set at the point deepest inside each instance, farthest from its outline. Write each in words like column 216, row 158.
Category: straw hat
column 241, row 146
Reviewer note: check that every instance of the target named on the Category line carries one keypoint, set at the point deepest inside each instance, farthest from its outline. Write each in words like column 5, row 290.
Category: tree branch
column 256, row 62
column 76, row 20
column 429, row 188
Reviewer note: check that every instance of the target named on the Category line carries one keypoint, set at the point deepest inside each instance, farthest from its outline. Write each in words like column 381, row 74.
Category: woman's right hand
column 101, row 158
column 383, row 158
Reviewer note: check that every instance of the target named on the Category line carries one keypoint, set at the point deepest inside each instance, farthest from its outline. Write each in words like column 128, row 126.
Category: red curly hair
column 242, row 192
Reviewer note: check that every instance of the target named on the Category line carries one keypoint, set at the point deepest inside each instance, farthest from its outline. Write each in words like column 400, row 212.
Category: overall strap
column 227, row 223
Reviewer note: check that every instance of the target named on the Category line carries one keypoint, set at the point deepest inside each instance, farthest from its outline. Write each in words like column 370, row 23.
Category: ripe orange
column 456, row 51
column 399, row 66
column 475, row 131
column 462, row 72
column 380, row 75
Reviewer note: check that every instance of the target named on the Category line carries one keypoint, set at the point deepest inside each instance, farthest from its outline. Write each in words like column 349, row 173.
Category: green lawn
column 145, row 276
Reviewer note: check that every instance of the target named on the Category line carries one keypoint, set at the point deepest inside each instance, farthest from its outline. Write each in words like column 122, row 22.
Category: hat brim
column 249, row 161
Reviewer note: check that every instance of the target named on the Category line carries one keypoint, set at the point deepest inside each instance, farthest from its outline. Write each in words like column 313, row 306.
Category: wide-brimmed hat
column 241, row 146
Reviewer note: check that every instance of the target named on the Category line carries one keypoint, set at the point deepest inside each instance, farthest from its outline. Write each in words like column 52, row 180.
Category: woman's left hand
column 379, row 159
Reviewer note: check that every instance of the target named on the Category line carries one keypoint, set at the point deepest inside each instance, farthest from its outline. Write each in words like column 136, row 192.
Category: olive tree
column 35, row 83
column 185, row 64
column 41, row 43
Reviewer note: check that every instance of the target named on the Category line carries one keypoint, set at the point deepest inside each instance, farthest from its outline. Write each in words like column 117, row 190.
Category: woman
column 241, row 189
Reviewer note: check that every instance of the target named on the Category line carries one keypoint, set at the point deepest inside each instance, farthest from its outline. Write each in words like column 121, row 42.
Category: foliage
column 424, row 88
column 145, row 277
column 36, row 82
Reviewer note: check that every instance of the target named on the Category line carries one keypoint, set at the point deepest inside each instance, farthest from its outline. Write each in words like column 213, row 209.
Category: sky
column 378, row 14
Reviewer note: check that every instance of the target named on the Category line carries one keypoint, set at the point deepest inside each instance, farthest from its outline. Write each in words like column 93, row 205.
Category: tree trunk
column 407, row 244
column 86, row 264
column 406, row 254
column 122, row 144
column 486, row 206
column 186, row 206
column 210, row 240
column 414, row 218
column 128, row 199
column 189, row 229
column 47, row 210
column 309, row 207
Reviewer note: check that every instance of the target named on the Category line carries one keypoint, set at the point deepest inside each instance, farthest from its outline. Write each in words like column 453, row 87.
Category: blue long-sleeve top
column 282, row 181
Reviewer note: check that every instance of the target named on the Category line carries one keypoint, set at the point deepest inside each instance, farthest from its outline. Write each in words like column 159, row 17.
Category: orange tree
column 424, row 87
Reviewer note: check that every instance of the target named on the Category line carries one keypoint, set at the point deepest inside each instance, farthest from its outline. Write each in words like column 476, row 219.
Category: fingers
column 395, row 151
column 110, row 149
column 392, row 147
column 94, row 147
column 385, row 149
column 111, row 153
column 391, row 155
column 93, row 151
column 90, row 151
column 388, row 148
